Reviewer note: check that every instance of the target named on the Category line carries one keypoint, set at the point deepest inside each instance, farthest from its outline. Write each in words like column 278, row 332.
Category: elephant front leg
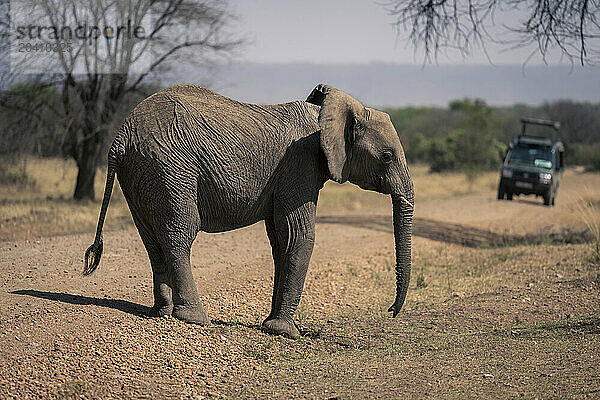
column 292, row 239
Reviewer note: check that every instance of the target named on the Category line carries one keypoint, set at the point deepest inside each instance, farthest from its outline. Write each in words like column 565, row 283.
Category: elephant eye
column 387, row 156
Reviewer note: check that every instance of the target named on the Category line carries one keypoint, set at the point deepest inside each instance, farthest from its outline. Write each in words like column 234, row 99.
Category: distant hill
column 400, row 85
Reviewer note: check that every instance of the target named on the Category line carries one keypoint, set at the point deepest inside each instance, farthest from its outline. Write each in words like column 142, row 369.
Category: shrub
column 10, row 176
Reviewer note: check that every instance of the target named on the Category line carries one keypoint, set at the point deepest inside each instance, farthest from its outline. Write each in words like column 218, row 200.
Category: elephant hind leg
column 186, row 302
column 163, row 300
column 163, row 293
column 176, row 231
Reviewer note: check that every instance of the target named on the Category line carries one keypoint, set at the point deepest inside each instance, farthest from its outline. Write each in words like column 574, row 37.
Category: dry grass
column 347, row 197
column 588, row 208
column 45, row 207
column 438, row 186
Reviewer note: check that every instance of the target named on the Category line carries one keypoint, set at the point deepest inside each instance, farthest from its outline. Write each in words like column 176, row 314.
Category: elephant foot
column 161, row 311
column 191, row 314
column 280, row 326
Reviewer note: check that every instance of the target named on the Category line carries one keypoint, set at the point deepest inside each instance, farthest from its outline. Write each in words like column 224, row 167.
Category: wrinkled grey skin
column 190, row 160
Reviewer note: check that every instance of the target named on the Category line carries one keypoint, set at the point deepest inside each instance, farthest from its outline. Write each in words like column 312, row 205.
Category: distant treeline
column 471, row 135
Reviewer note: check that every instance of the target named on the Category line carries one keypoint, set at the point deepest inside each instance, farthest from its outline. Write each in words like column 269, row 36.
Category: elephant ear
column 337, row 117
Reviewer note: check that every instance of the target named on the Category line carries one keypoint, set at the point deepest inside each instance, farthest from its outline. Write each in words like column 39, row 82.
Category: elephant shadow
column 125, row 306
column 122, row 305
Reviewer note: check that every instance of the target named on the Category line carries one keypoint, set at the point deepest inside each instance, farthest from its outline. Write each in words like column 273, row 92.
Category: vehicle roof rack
column 537, row 121
column 555, row 125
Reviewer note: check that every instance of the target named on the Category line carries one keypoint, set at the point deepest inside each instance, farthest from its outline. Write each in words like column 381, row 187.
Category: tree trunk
column 87, row 130
column 86, row 176
column 88, row 152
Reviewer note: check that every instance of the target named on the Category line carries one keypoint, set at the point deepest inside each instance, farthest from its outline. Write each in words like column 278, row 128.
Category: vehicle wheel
column 509, row 195
column 548, row 198
column 500, row 192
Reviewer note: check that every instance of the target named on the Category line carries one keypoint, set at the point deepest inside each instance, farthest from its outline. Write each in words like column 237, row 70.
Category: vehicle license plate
column 527, row 185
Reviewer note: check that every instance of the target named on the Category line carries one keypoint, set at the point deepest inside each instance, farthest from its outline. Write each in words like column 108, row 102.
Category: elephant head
column 362, row 146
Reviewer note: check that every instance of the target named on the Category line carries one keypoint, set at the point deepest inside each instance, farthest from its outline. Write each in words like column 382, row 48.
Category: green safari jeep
column 533, row 164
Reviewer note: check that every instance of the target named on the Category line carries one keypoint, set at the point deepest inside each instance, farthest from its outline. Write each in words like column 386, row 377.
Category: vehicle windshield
column 531, row 156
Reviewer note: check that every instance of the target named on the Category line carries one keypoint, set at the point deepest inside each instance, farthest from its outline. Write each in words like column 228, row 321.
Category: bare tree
column 103, row 50
column 570, row 26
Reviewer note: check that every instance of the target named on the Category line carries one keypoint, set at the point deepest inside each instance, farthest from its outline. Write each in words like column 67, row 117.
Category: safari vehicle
column 533, row 164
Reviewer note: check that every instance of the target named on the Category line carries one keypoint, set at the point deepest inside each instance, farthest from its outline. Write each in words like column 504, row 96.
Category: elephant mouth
column 368, row 186
column 378, row 185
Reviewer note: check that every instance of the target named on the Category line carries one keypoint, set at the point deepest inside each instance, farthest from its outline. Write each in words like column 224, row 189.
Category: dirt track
column 488, row 320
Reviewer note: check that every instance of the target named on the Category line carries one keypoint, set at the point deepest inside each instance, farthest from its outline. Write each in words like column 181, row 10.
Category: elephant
column 191, row 160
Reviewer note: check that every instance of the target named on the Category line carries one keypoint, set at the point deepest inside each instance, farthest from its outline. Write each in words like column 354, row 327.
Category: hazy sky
column 337, row 31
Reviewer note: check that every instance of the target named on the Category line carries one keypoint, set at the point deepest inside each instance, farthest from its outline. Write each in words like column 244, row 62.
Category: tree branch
column 568, row 26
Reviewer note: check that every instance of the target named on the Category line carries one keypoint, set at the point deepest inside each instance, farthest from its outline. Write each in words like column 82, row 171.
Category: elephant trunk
column 403, row 208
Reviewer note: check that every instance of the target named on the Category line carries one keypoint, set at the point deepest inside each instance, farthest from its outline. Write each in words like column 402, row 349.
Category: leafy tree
column 30, row 124
column 476, row 147
column 466, row 142
column 579, row 120
column 416, row 147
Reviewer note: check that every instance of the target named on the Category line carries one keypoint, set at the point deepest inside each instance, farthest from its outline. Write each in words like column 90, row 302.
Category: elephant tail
column 94, row 252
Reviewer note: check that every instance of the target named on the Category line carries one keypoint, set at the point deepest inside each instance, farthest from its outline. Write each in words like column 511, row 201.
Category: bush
column 11, row 176
column 587, row 155
column 442, row 154
column 465, row 151
column 416, row 148
column 594, row 163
